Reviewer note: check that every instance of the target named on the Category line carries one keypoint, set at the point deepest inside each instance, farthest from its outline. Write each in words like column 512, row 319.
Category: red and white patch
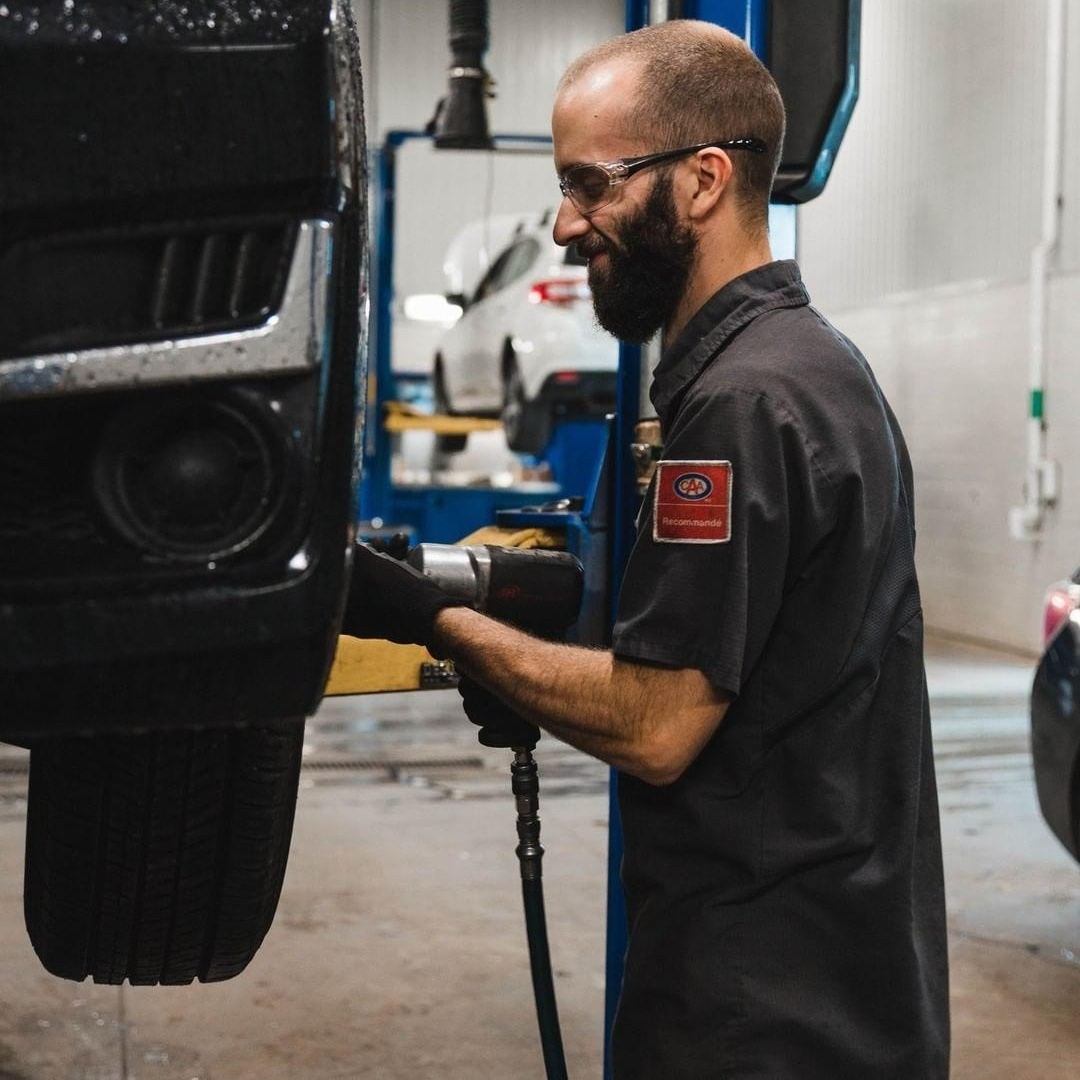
column 692, row 502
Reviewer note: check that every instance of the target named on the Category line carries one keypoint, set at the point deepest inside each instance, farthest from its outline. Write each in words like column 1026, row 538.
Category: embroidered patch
column 692, row 502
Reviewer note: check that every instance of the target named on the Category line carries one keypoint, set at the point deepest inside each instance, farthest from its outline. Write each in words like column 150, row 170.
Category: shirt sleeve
column 710, row 605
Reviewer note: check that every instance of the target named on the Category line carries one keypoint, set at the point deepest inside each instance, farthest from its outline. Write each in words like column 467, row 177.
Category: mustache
column 595, row 245
column 587, row 251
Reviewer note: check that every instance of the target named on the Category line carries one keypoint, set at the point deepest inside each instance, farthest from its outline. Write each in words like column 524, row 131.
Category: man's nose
column 570, row 224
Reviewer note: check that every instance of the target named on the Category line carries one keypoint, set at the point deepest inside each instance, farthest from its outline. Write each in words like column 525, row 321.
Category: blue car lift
column 429, row 512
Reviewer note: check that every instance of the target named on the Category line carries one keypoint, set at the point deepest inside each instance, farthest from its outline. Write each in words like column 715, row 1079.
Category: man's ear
column 712, row 176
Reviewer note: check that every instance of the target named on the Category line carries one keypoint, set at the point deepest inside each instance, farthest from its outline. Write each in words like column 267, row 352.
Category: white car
column 526, row 347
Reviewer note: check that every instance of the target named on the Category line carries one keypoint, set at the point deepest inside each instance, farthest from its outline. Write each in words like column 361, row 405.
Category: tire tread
column 159, row 857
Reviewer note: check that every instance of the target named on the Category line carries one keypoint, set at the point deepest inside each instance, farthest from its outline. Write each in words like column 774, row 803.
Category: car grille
column 144, row 283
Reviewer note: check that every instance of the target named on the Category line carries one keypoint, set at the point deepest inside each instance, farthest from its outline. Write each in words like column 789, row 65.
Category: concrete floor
column 398, row 949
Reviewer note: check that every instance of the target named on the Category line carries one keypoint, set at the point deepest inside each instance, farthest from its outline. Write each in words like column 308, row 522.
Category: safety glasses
column 590, row 187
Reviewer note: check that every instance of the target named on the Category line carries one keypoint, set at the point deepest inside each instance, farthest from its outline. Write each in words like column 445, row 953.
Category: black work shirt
column 785, row 895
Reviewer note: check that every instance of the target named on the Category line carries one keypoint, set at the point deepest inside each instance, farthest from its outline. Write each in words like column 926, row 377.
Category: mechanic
column 764, row 698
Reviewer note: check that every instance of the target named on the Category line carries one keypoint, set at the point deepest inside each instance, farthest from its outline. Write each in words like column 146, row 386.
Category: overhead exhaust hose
column 461, row 117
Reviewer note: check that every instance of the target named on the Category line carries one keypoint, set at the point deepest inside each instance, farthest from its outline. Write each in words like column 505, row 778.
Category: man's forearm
column 650, row 722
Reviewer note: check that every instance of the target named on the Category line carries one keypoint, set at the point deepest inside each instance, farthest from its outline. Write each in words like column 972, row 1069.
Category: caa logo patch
column 693, row 486
column 692, row 504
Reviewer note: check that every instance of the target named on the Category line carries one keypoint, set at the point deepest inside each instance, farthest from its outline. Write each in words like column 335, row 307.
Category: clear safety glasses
column 590, row 187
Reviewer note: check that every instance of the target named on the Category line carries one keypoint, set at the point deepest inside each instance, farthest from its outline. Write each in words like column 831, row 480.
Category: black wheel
column 527, row 424
column 158, row 858
column 447, row 444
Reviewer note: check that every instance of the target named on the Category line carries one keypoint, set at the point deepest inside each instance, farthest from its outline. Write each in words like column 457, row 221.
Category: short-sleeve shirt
column 785, row 894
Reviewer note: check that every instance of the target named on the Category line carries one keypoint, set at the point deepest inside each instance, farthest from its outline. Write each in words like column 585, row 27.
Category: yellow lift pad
column 363, row 666
column 399, row 417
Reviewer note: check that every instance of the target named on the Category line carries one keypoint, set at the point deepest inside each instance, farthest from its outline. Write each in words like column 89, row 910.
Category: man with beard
column 764, row 698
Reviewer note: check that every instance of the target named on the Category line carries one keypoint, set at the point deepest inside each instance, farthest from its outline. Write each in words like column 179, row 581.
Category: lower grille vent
column 113, row 287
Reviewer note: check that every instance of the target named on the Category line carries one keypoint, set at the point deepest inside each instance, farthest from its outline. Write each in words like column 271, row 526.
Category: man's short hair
column 700, row 82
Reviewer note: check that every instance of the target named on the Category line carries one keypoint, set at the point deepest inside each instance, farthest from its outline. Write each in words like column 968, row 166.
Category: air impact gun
column 537, row 590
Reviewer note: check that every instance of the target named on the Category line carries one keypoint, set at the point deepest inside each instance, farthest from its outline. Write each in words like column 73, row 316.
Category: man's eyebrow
column 577, row 164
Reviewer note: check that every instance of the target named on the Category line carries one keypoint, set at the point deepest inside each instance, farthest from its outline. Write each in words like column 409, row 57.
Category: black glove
column 499, row 725
column 389, row 599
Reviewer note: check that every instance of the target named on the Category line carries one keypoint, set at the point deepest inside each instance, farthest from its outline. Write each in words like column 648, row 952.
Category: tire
column 446, row 444
column 158, row 858
column 527, row 424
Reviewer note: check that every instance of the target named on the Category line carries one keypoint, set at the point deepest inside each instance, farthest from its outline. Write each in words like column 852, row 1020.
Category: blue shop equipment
column 433, row 512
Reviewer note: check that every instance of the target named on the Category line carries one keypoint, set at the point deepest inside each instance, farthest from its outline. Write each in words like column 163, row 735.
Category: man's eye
column 592, row 183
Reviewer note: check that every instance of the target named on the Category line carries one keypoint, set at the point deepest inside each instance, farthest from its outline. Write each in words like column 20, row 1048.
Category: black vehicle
column 182, row 215
column 1055, row 714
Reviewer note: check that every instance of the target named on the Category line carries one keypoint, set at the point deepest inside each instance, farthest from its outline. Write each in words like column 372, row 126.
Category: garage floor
column 398, row 951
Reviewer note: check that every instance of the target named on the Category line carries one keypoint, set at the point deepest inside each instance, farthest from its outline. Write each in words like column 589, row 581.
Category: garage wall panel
column 938, row 179
column 920, row 249
column 953, row 364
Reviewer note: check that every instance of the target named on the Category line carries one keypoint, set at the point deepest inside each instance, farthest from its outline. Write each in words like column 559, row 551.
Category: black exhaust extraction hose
column 461, row 117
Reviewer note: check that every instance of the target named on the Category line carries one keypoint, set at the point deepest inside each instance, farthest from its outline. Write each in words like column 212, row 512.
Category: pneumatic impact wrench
column 538, row 591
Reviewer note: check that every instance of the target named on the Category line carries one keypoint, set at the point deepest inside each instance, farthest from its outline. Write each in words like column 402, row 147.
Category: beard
column 648, row 265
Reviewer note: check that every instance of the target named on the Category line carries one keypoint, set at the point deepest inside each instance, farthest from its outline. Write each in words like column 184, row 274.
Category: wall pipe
column 1041, row 480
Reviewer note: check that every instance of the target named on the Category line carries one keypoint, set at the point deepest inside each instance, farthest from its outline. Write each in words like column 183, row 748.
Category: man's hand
column 389, row 599
column 499, row 725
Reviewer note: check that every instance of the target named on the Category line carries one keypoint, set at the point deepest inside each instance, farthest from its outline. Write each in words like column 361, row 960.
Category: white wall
column 919, row 249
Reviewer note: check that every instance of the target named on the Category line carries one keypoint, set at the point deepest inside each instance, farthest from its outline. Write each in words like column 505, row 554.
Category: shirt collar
column 720, row 318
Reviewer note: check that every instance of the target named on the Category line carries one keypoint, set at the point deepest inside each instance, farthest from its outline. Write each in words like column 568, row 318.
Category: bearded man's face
column 637, row 285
